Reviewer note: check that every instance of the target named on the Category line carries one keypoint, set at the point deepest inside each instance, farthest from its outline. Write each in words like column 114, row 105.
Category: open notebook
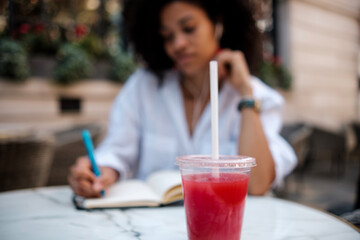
column 160, row 188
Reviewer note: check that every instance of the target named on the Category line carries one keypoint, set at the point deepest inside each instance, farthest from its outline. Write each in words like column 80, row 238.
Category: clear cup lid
column 224, row 161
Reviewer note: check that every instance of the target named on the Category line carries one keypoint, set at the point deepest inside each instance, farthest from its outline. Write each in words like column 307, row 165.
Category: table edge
column 323, row 211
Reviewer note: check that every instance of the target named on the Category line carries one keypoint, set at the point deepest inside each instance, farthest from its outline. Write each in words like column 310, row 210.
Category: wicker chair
column 328, row 152
column 25, row 161
column 68, row 146
column 355, row 154
column 298, row 135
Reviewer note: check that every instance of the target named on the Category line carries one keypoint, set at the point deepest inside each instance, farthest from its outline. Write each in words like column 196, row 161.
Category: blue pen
column 90, row 150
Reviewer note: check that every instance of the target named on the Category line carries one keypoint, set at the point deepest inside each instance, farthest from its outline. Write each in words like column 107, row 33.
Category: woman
column 163, row 110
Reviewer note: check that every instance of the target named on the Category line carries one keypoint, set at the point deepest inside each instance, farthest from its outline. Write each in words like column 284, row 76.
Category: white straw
column 214, row 110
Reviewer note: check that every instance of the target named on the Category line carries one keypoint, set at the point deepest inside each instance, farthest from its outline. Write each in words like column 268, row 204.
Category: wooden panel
column 344, row 7
column 317, row 41
column 38, row 87
column 45, row 125
column 324, row 63
column 101, row 109
column 24, row 107
column 35, row 104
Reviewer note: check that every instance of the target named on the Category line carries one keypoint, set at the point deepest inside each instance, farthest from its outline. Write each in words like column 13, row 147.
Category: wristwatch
column 250, row 103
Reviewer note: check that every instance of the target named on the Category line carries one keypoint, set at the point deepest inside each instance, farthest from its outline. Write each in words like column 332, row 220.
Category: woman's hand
column 232, row 65
column 84, row 182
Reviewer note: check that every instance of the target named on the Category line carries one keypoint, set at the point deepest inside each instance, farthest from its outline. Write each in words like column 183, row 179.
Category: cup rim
column 224, row 161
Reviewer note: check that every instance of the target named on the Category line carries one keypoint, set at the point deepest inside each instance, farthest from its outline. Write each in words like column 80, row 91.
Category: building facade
column 319, row 40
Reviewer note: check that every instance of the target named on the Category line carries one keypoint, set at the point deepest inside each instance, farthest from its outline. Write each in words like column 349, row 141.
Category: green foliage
column 93, row 45
column 40, row 44
column 123, row 65
column 13, row 60
column 274, row 74
column 72, row 64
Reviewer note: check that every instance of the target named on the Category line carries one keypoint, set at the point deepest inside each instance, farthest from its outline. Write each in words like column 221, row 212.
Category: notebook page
column 126, row 193
column 163, row 181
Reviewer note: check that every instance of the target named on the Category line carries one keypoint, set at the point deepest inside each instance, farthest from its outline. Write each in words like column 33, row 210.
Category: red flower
column 81, row 30
column 39, row 28
column 24, row 28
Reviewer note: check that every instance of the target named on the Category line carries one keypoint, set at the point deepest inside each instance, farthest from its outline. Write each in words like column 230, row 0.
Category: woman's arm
column 252, row 140
column 117, row 154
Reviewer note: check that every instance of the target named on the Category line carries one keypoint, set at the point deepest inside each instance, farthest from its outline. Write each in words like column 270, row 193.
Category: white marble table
column 48, row 213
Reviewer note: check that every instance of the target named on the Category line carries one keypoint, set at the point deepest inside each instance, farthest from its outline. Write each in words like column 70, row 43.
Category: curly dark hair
column 142, row 23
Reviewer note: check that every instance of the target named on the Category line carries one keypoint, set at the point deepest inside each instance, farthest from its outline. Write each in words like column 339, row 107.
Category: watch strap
column 249, row 103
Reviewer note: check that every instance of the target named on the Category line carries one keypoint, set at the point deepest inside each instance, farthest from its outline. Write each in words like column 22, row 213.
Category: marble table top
column 48, row 213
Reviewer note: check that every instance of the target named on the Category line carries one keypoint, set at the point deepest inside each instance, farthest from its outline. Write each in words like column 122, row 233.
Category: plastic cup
column 214, row 194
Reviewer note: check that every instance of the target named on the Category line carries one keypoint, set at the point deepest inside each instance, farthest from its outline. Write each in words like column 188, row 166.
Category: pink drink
column 215, row 206
column 214, row 194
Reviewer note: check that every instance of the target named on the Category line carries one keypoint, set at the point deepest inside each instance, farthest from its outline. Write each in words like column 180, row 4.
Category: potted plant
column 123, row 65
column 13, row 61
column 275, row 74
column 73, row 64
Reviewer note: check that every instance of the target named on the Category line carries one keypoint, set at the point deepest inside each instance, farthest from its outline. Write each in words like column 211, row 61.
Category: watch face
column 250, row 103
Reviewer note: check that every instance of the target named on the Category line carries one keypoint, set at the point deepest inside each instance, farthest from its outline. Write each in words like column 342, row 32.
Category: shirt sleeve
column 120, row 147
column 271, row 117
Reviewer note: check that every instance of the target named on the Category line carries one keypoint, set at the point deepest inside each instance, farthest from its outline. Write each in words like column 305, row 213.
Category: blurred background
column 63, row 62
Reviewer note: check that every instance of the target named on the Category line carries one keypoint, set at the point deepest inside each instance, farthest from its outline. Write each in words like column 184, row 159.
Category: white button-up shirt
column 148, row 128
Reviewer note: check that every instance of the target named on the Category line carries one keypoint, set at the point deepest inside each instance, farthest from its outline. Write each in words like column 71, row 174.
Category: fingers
column 83, row 162
column 222, row 58
column 82, row 173
column 108, row 176
column 231, row 59
column 233, row 66
column 81, row 178
column 83, row 188
column 82, row 169
column 227, row 62
column 222, row 71
column 98, row 185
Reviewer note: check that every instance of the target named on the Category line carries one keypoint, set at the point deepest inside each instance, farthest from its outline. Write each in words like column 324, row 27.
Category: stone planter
column 43, row 66
column 101, row 69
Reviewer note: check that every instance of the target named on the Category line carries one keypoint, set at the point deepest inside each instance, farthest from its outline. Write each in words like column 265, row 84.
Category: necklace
column 197, row 98
column 190, row 92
